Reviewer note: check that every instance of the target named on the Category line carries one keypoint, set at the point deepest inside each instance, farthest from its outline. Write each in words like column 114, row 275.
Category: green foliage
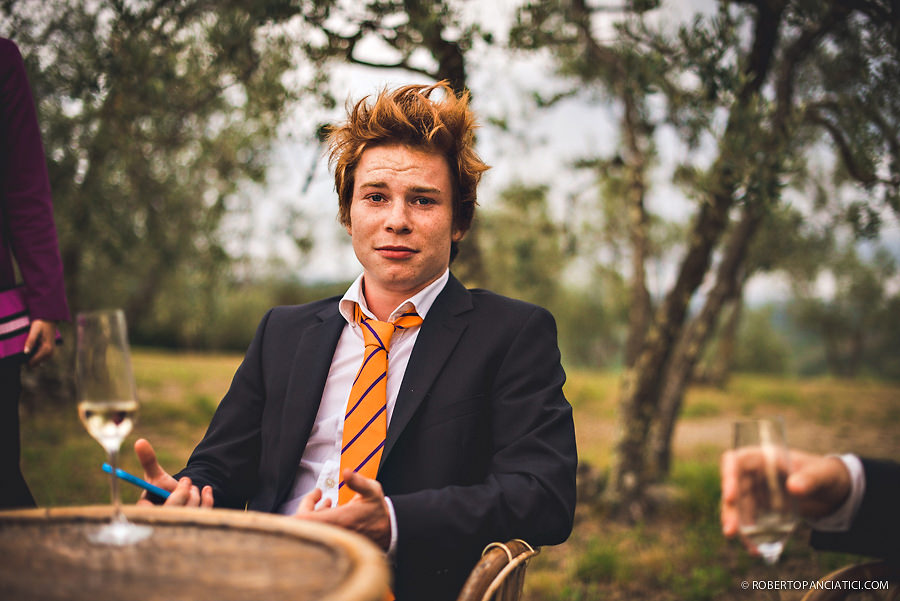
column 529, row 260
column 152, row 115
column 702, row 582
column 525, row 245
column 602, row 562
column 701, row 485
column 406, row 27
column 761, row 348
column 702, row 408
column 757, row 393
column 591, row 389
column 857, row 326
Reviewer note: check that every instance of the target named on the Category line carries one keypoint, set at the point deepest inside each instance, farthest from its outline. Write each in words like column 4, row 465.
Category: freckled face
column 401, row 219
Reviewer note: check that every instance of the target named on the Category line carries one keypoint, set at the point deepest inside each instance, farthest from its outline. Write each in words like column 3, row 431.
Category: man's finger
column 820, row 485
column 194, row 497
column 728, row 473
column 147, row 456
column 309, row 500
column 182, row 494
column 728, row 467
column 206, row 497
column 365, row 487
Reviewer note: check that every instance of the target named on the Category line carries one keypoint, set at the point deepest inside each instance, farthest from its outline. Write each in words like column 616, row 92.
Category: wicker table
column 194, row 555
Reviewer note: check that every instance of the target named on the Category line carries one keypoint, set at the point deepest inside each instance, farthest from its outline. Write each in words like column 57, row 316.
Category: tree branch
column 813, row 116
column 794, row 54
column 398, row 65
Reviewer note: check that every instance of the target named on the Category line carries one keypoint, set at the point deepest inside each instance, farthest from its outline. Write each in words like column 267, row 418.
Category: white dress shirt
column 320, row 464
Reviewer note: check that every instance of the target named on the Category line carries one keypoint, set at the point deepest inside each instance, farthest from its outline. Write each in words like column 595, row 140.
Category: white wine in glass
column 107, row 404
column 766, row 512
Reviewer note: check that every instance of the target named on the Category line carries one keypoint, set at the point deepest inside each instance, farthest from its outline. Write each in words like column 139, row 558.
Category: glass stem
column 114, row 487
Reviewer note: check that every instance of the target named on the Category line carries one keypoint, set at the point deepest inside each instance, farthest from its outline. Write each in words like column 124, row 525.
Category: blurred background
column 703, row 193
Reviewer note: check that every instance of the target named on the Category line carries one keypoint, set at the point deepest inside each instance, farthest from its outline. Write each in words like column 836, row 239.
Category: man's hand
column 41, row 340
column 366, row 513
column 184, row 493
column 818, row 484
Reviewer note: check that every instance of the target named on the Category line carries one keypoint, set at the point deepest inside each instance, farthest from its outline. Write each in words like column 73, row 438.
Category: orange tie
column 365, row 422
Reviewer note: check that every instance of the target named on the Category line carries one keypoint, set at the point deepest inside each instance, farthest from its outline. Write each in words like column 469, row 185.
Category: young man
column 464, row 438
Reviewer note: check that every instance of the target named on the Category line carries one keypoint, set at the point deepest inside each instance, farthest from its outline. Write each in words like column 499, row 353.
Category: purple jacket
column 27, row 230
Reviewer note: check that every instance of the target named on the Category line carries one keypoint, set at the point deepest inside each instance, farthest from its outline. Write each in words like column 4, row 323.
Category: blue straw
column 137, row 481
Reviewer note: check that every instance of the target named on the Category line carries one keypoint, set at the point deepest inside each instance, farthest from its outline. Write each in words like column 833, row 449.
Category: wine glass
column 107, row 404
column 766, row 512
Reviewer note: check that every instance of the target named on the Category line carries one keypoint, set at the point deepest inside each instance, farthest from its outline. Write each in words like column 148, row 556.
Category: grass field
column 676, row 553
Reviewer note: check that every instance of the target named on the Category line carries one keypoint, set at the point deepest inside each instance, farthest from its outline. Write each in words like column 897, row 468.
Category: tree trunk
column 640, row 309
column 451, row 60
column 642, row 382
column 729, row 280
column 719, row 369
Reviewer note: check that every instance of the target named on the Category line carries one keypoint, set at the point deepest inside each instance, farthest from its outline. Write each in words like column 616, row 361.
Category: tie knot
column 379, row 333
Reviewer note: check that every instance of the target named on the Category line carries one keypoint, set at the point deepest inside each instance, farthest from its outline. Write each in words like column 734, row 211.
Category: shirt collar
column 420, row 302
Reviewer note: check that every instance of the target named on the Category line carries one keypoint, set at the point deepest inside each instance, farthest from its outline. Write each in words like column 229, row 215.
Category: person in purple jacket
column 28, row 313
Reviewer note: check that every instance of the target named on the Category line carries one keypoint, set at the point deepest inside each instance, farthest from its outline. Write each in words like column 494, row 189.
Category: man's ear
column 348, row 228
column 457, row 235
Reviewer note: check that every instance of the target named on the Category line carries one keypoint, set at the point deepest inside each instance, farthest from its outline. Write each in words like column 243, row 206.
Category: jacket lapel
column 440, row 332
column 303, row 394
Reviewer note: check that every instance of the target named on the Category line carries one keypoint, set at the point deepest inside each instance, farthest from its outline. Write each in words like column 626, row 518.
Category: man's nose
column 398, row 217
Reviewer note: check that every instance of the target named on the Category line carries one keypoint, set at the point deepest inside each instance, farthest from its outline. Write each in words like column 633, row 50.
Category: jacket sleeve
column 228, row 456
column 876, row 528
column 27, row 208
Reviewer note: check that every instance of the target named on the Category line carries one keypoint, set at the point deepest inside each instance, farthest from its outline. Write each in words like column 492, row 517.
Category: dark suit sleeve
column 228, row 456
column 876, row 529
column 529, row 488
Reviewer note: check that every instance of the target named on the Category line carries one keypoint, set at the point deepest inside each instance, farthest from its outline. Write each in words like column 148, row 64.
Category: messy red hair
column 409, row 116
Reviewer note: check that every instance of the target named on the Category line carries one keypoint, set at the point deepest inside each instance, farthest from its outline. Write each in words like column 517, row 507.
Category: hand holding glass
column 766, row 512
column 107, row 404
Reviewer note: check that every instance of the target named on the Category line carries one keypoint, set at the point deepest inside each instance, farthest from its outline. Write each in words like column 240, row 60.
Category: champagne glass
column 107, row 405
column 766, row 512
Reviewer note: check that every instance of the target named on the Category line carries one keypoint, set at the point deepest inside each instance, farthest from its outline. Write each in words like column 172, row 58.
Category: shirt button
column 329, row 482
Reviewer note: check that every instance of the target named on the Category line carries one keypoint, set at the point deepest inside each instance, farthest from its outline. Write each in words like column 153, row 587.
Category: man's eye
column 423, row 201
column 376, row 197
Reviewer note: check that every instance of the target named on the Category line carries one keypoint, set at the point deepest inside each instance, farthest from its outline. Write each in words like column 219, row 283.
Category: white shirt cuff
column 842, row 519
column 392, row 549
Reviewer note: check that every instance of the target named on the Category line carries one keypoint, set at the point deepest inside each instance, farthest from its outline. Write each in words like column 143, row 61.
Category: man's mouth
column 395, row 252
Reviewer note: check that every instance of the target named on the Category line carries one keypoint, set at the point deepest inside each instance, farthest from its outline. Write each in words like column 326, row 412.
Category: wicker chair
column 873, row 571
column 500, row 574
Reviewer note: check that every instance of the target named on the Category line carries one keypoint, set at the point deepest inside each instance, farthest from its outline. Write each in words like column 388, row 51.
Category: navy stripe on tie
column 364, row 428
column 363, row 395
column 365, row 362
column 372, row 454
column 365, row 461
column 374, row 333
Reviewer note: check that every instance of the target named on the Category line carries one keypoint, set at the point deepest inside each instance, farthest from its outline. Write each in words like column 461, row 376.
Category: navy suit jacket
column 480, row 448
column 876, row 528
